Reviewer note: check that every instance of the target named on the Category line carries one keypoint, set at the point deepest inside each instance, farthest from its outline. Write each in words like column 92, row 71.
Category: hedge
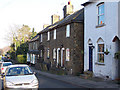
column 21, row 58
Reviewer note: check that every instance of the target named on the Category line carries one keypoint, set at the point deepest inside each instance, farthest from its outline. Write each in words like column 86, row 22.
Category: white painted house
column 101, row 33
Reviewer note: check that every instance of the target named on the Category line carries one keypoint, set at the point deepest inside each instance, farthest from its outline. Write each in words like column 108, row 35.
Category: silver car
column 20, row 76
column 4, row 65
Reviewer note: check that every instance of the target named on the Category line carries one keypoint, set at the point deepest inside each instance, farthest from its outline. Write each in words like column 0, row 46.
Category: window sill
column 98, row 63
column 101, row 25
column 67, row 37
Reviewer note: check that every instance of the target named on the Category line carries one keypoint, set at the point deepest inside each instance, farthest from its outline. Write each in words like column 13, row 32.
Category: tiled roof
column 77, row 16
column 35, row 38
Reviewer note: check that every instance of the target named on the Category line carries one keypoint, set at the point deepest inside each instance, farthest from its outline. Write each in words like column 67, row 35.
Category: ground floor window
column 41, row 53
column 67, row 54
column 101, row 53
column 54, row 53
column 48, row 53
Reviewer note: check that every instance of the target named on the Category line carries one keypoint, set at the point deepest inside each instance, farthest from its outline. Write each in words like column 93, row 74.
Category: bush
column 21, row 58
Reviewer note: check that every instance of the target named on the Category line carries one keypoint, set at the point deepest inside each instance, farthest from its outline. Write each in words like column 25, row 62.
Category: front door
column 90, row 58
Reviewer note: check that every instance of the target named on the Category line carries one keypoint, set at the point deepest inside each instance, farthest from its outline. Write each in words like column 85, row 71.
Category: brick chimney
column 54, row 18
column 45, row 25
column 68, row 9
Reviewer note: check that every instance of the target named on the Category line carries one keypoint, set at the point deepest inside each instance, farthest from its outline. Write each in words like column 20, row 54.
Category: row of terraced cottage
column 85, row 40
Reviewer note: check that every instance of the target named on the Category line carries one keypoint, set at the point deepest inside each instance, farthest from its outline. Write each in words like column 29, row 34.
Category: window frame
column 98, row 60
column 48, row 53
column 48, row 35
column 54, row 54
column 68, row 30
column 55, row 34
column 67, row 54
column 41, row 53
column 99, row 15
column 41, row 37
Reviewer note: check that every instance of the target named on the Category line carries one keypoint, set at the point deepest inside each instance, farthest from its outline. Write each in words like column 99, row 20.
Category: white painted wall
column 106, row 32
column 119, row 18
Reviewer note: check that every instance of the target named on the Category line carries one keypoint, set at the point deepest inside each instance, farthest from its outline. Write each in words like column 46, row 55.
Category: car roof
column 6, row 62
column 18, row 65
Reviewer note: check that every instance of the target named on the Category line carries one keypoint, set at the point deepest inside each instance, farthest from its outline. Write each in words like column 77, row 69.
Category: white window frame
column 48, row 53
column 54, row 34
column 41, row 38
column 33, row 45
column 67, row 54
column 54, row 53
column 68, row 30
column 100, row 43
column 103, row 14
column 48, row 34
column 36, row 46
column 41, row 53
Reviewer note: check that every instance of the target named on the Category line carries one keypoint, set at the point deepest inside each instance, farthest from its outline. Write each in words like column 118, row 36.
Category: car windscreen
column 15, row 71
column 7, row 64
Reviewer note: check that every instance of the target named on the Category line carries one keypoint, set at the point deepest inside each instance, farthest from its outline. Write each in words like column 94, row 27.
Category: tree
column 20, row 38
column 12, row 33
column 33, row 33
column 24, row 34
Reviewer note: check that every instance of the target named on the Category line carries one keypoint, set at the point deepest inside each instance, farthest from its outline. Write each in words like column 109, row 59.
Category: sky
column 34, row 13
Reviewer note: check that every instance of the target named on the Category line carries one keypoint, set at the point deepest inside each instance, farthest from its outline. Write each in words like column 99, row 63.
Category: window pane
column 101, row 19
column 48, row 35
column 101, row 58
column 48, row 53
column 41, row 38
column 54, row 53
column 68, row 31
column 101, row 9
column 40, row 53
column 67, row 54
column 100, row 47
column 55, row 34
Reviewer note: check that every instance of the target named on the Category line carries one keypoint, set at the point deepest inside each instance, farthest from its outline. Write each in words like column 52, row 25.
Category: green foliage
column 33, row 34
column 21, row 58
column 12, row 54
column 22, row 49
column 20, row 43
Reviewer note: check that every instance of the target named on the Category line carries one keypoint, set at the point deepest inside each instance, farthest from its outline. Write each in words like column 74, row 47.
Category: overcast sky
column 33, row 13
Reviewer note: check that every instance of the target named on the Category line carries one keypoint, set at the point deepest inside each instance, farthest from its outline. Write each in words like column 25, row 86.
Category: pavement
column 76, row 80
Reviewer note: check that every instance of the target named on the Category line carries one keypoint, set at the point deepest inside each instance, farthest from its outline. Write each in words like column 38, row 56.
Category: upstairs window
column 41, row 38
column 36, row 45
column 100, row 13
column 48, row 36
column 55, row 34
column 68, row 31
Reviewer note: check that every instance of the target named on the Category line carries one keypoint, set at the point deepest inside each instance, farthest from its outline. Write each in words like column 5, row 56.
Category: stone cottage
column 62, row 43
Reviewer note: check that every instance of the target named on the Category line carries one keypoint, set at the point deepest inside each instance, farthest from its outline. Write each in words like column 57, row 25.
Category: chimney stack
column 54, row 18
column 45, row 25
column 68, row 9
